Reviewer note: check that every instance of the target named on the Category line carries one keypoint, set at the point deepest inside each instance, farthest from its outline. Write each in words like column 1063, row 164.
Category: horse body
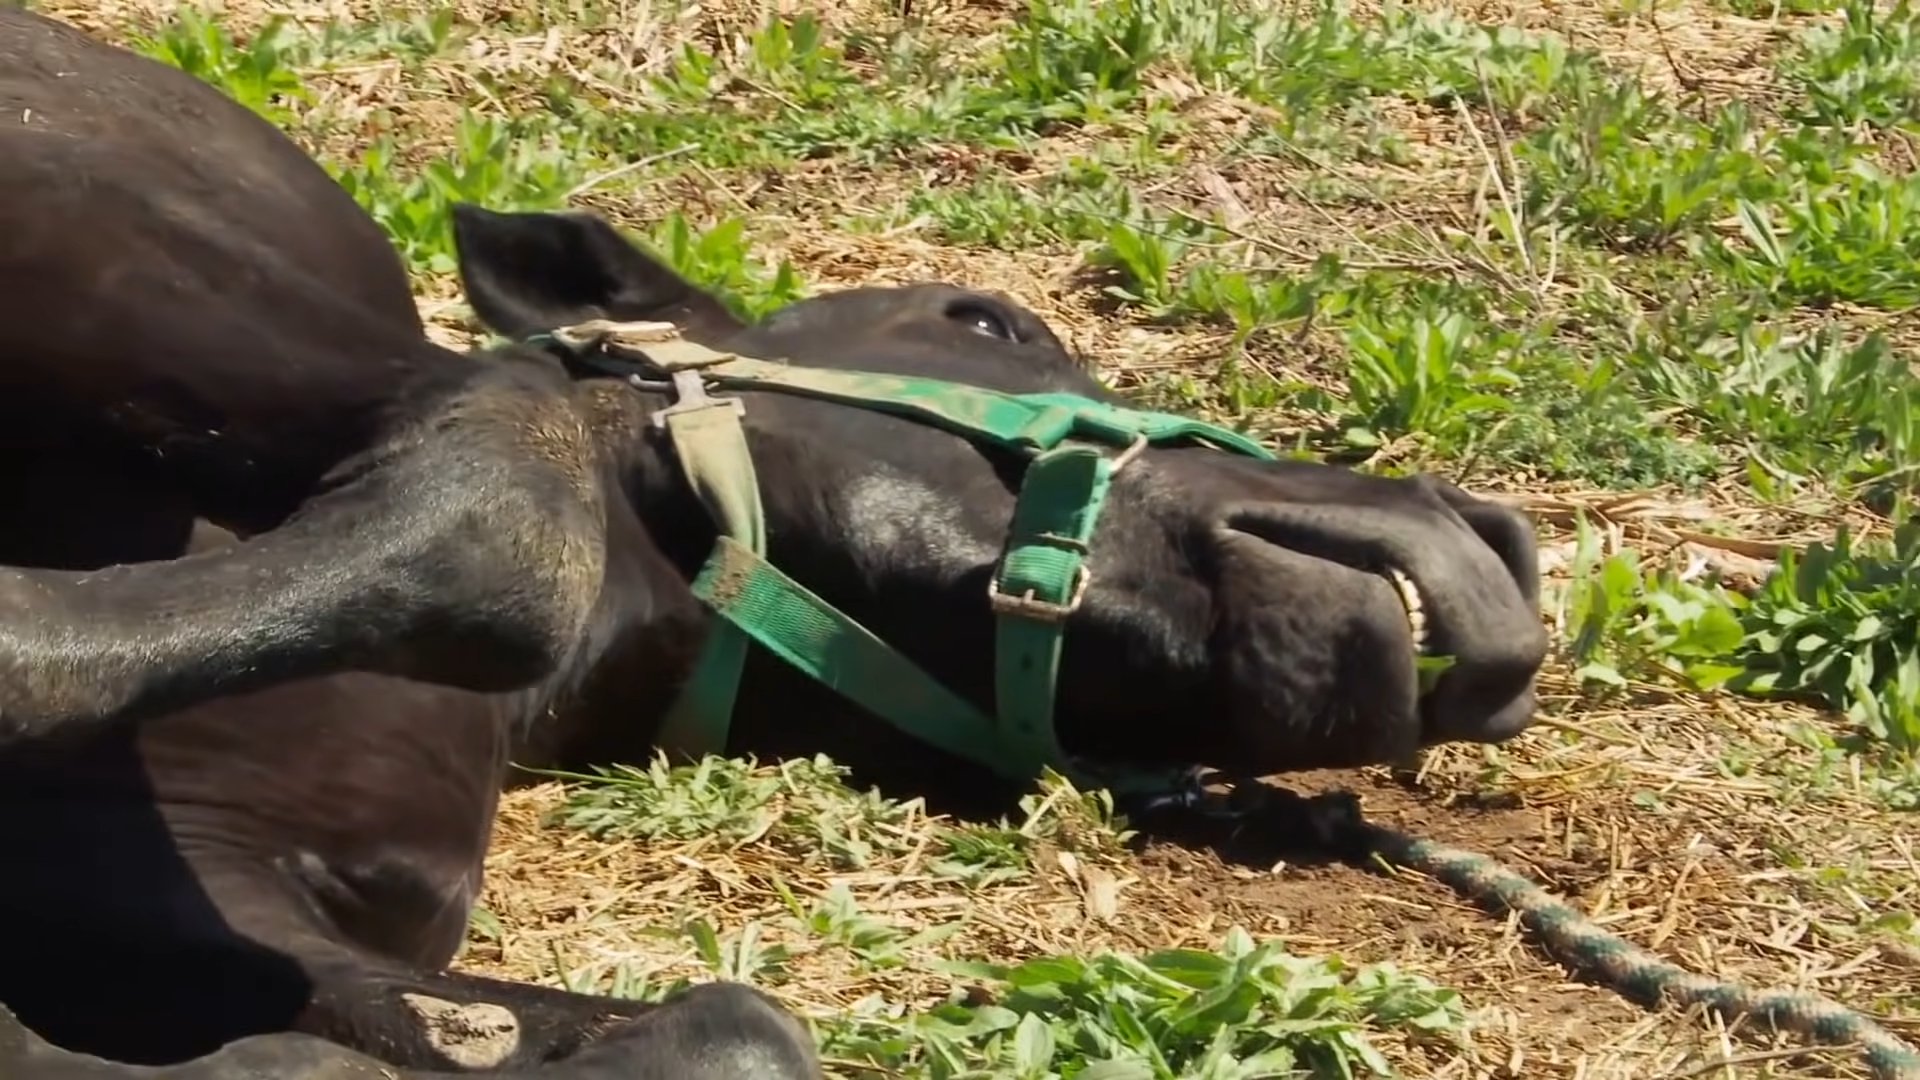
column 218, row 312
column 247, row 791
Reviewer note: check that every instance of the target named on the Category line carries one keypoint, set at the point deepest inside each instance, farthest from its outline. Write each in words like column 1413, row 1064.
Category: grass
column 1650, row 269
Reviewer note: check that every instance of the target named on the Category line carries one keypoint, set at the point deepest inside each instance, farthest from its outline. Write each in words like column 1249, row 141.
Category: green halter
column 1040, row 581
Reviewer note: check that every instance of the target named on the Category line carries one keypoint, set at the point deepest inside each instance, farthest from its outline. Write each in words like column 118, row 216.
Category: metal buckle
column 1028, row 606
column 600, row 333
column 690, row 390
column 1046, row 610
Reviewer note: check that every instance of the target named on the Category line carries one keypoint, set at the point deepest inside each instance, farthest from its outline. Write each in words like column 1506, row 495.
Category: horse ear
column 527, row 273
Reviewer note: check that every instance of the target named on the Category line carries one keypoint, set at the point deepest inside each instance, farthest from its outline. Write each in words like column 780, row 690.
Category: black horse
column 247, row 790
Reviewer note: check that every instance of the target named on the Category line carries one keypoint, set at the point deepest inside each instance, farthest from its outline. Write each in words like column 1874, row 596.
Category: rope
column 1575, row 940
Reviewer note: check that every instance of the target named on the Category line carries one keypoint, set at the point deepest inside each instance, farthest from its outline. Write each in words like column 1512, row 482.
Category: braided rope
column 1629, row 969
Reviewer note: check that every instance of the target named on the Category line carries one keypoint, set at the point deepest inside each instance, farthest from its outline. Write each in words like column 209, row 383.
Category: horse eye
column 981, row 321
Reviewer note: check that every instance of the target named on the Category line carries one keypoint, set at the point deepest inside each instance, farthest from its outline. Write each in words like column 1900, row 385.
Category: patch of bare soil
column 1542, row 1016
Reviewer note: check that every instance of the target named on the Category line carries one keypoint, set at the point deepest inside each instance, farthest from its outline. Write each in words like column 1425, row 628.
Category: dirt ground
column 1645, row 840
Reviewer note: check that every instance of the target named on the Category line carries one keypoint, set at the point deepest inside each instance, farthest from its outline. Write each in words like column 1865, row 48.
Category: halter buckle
column 1028, row 606
column 690, row 392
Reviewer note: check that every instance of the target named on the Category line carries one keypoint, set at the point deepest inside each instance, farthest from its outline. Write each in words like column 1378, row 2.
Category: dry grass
column 1622, row 810
column 1672, row 819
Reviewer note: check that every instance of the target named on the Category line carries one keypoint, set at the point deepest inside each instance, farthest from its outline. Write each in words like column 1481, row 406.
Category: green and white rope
column 1628, row 969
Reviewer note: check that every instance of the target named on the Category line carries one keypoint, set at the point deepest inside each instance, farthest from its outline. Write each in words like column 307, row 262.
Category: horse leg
column 444, row 1021
column 414, row 1015
column 469, row 551
column 717, row 1031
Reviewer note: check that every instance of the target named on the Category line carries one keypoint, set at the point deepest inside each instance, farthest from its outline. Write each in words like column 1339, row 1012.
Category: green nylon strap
column 819, row 640
column 1025, row 421
column 1118, row 424
column 1038, row 584
column 793, row 623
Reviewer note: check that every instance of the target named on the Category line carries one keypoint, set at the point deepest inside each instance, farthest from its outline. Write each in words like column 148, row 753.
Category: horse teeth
column 1416, row 607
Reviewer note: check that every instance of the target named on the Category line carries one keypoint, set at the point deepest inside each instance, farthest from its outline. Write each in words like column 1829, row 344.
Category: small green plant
column 483, row 924
column 726, row 801
column 1838, row 623
column 494, row 163
column 1637, row 173
column 877, row 944
column 1853, row 238
column 797, row 60
column 1075, row 60
column 1801, row 409
column 1446, row 58
column 1841, row 621
column 1772, row 9
column 743, row 956
column 260, row 74
column 1427, row 368
column 806, row 806
column 1864, row 69
column 1075, row 820
column 411, row 38
column 719, row 259
column 1249, row 1010
column 1624, row 620
column 1145, row 254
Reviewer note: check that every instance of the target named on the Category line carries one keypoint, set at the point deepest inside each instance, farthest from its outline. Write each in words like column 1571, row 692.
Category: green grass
column 1475, row 249
column 1249, row 1008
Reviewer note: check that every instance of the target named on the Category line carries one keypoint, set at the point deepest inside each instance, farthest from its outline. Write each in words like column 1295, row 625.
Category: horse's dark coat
column 454, row 559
